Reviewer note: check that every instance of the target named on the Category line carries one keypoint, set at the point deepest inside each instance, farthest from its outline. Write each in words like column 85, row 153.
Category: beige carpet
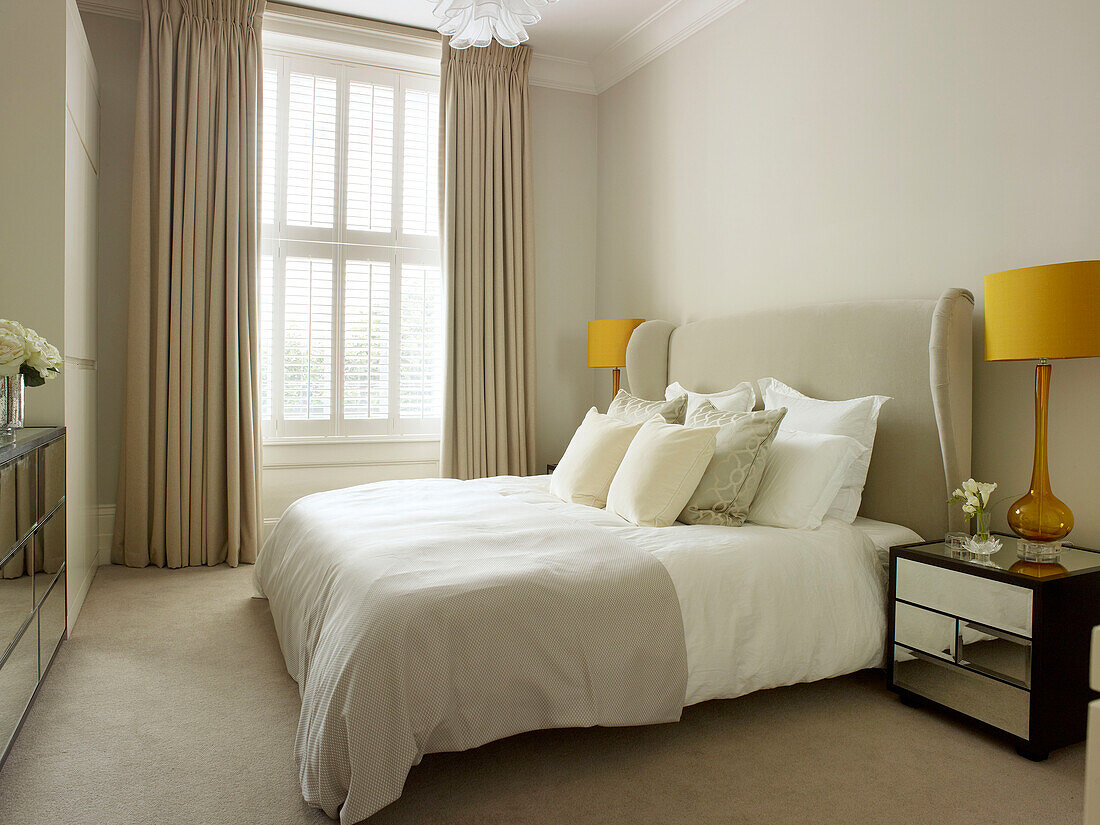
column 170, row 704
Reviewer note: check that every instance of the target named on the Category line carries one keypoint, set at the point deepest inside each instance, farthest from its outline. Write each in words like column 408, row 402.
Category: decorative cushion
column 803, row 474
column 584, row 473
column 627, row 407
column 660, row 471
column 731, row 479
column 856, row 418
column 741, row 398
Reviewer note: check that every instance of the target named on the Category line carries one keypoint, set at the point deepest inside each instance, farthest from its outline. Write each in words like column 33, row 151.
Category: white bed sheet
column 762, row 606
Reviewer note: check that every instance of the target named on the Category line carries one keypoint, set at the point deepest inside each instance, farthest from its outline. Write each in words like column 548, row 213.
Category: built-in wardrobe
column 49, row 172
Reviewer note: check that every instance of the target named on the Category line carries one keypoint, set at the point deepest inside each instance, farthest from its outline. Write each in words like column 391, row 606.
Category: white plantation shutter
column 270, row 145
column 370, row 157
column 367, row 340
column 421, row 381
column 307, row 339
column 267, row 326
column 351, row 299
column 420, row 187
column 311, row 153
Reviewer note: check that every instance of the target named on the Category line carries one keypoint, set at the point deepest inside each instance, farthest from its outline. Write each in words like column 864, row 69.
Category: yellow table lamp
column 1035, row 314
column 607, row 340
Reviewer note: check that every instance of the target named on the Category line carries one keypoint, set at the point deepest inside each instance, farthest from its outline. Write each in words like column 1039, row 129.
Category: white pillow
column 802, row 476
column 660, row 471
column 856, row 418
column 741, row 398
column 584, row 473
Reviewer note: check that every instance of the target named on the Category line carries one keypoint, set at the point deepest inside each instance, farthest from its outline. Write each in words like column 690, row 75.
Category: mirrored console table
column 32, row 569
column 1000, row 640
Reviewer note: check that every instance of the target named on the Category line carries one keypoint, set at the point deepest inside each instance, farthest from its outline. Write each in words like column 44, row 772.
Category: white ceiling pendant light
column 477, row 22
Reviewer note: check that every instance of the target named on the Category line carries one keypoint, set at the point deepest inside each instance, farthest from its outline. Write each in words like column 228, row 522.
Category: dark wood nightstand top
column 1004, row 565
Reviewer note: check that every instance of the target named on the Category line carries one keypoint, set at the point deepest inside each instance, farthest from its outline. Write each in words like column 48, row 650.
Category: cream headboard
column 918, row 352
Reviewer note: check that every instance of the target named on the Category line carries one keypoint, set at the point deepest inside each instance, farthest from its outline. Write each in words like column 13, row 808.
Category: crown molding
column 126, row 9
column 670, row 25
column 561, row 73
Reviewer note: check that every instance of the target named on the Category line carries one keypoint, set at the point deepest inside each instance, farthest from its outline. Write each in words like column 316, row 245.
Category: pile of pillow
column 709, row 458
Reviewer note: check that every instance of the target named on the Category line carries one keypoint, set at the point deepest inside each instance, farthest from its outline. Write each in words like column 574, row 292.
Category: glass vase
column 982, row 544
column 981, row 526
column 11, row 407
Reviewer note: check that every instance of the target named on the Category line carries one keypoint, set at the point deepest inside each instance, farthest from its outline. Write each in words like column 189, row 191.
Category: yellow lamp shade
column 607, row 340
column 1043, row 312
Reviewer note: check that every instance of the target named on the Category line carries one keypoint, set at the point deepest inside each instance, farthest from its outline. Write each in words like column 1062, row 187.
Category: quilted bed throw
column 435, row 616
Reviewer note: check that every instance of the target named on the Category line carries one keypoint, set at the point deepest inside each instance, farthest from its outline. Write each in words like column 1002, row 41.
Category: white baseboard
column 105, row 519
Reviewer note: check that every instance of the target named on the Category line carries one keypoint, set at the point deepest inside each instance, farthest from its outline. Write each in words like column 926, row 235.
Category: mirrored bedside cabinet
column 1004, row 642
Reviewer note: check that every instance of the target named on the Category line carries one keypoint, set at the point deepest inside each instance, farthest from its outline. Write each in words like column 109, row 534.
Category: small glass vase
column 982, row 543
column 11, row 407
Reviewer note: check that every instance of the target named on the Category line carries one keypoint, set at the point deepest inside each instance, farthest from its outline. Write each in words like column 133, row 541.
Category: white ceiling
column 573, row 29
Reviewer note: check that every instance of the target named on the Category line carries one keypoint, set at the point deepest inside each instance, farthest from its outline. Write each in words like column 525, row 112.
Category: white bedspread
column 762, row 606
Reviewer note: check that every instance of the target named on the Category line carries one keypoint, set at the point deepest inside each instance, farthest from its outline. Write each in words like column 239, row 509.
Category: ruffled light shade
column 477, row 22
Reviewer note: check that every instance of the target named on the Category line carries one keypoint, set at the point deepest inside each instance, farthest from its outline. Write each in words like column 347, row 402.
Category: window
column 351, row 292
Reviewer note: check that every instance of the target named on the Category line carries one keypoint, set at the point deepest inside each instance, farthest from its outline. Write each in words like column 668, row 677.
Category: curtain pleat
column 488, row 262
column 189, row 477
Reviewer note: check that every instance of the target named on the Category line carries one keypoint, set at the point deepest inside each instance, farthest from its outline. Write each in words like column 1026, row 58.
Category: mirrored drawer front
column 18, row 679
column 18, row 501
column 988, row 650
column 991, row 603
column 51, row 623
column 933, row 633
column 51, row 472
column 996, row 703
column 49, row 552
column 16, row 603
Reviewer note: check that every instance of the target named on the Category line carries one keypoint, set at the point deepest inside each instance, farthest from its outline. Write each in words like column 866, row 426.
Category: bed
column 438, row 615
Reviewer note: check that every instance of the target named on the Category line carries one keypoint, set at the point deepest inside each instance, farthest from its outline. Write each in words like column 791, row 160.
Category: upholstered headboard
column 917, row 352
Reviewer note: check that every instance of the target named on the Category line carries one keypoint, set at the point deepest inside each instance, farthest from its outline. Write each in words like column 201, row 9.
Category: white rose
column 13, row 347
column 42, row 355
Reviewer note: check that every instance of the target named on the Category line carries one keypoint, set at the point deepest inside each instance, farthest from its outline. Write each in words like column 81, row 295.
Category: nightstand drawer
column 933, row 633
column 995, row 703
column 978, row 599
column 995, row 653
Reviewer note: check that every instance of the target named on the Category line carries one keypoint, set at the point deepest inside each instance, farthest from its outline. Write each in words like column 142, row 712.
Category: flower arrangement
column 974, row 497
column 24, row 352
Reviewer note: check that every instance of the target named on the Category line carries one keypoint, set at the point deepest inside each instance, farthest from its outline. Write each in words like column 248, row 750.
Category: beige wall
column 564, row 125
column 803, row 151
column 114, row 42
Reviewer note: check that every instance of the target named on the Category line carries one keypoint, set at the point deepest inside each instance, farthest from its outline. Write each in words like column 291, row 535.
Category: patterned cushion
column 727, row 487
column 626, row 407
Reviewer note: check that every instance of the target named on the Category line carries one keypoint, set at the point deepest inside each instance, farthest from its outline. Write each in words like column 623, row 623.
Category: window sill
column 312, row 441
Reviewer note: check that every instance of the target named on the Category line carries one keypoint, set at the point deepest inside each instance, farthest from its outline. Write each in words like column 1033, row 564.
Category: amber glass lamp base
column 1040, row 515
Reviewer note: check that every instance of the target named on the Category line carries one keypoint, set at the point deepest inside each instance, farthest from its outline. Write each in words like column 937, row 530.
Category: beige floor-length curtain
column 189, row 472
column 488, row 262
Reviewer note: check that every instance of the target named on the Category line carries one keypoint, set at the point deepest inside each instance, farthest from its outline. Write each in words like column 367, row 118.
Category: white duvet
column 762, row 606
